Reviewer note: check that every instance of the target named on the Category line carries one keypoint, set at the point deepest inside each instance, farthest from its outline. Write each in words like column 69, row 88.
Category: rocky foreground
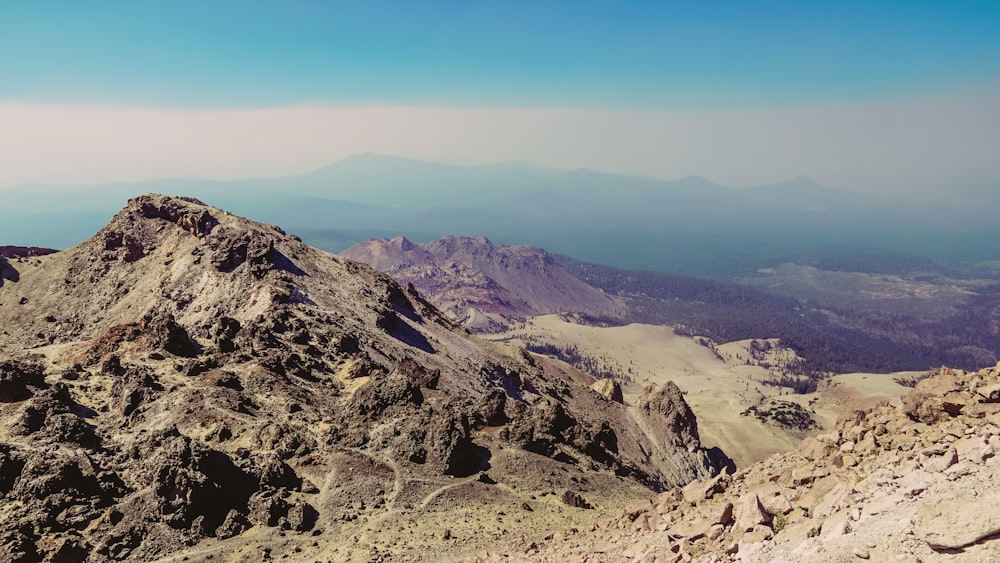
column 913, row 480
column 191, row 385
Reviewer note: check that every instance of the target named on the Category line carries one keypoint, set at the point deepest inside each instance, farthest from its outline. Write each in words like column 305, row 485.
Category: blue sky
column 512, row 54
column 899, row 97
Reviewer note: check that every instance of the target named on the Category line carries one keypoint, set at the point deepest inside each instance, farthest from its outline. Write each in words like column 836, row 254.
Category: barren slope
column 719, row 384
column 188, row 384
column 908, row 480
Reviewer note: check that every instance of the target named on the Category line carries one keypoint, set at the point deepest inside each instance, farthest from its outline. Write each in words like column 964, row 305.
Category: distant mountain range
column 688, row 225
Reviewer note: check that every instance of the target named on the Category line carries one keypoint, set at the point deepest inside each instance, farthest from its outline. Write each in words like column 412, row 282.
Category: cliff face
column 187, row 382
column 481, row 284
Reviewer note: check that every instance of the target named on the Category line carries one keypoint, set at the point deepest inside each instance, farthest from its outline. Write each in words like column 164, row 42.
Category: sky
column 881, row 96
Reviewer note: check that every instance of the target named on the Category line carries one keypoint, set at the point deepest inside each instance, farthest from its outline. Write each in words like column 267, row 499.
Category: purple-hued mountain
column 482, row 284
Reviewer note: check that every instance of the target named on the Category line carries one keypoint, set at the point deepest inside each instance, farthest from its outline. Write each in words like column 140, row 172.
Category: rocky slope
column 17, row 254
column 911, row 480
column 482, row 284
column 188, row 385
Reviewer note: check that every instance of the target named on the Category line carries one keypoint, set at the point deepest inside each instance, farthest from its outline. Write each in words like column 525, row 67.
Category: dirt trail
column 427, row 500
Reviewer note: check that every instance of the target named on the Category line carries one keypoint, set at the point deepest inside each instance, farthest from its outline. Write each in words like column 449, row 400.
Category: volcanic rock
column 669, row 414
column 187, row 374
column 932, row 496
column 609, row 388
column 16, row 377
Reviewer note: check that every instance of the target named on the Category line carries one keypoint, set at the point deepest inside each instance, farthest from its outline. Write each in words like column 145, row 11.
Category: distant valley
column 837, row 321
column 763, row 360
column 741, row 355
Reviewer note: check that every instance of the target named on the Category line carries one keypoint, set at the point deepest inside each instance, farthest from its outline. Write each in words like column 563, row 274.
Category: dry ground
column 718, row 385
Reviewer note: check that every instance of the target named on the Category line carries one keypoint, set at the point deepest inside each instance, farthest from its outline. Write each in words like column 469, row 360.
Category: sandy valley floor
column 718, row 384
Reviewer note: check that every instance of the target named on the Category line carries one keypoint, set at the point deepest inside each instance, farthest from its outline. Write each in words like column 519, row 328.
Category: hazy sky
column 882, row 96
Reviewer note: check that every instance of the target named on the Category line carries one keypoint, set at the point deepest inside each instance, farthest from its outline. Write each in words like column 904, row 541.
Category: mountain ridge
column 483, row 285
column 188, row 383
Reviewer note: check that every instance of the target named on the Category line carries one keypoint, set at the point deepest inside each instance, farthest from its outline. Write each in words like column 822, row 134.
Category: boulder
column 955, row 524
column 492, row 408
column 190, row 481
column 697, row 491
column 609, row 389
column 301, row 516
column 422, row 376
column 234, row 525
column 750, row 513
column 17, row 378
column 812, row 449
column 265, row 508
column 989, row 393
column 665, row 404
column 936, row 399
column 573, row 498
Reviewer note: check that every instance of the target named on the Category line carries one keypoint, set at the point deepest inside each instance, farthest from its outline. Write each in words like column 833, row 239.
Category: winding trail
column 442, row 489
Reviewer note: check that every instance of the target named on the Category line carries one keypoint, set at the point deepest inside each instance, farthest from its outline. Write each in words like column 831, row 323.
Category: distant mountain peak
column 469, row 273
column 402, row 243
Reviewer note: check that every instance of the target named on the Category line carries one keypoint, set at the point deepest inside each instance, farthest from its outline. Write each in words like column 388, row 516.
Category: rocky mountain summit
column 910, row 480
column 484, row 285
column 192, row 385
